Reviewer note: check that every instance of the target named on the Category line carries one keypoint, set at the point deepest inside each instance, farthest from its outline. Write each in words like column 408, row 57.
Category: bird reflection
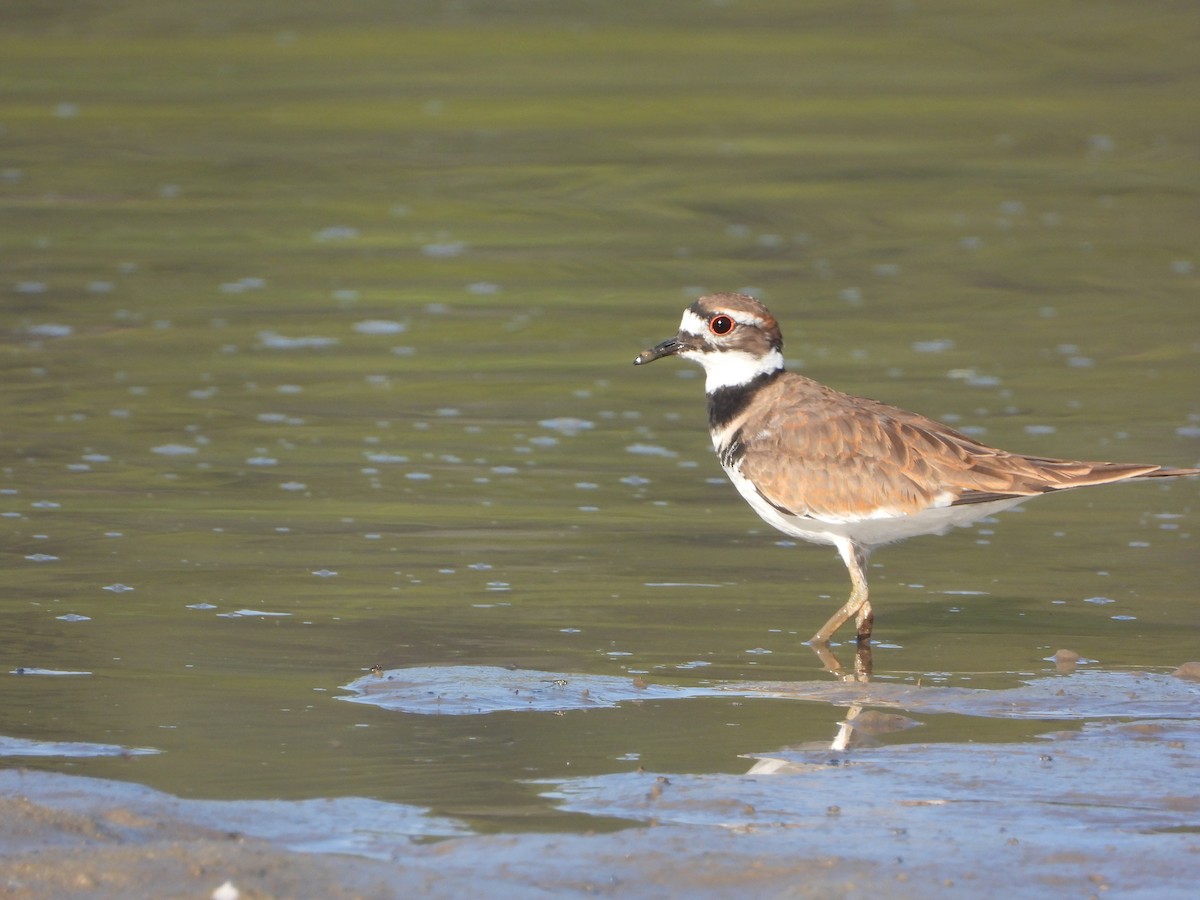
column 863, row 665
column 861, row 728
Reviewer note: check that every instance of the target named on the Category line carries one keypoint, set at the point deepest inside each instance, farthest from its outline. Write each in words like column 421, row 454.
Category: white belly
column 870, row 531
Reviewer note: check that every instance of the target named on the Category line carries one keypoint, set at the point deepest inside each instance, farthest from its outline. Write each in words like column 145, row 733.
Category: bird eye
column 720, row 325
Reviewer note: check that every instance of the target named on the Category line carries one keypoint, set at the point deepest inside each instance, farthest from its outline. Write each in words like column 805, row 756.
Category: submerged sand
column 1108, row 806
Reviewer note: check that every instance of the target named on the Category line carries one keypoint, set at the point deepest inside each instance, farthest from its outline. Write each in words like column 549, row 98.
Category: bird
column 836, row 469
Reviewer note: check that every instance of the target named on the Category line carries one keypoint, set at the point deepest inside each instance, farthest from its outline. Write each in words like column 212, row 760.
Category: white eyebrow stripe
column 698, row 325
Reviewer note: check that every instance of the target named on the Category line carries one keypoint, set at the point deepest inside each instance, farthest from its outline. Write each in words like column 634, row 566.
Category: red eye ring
column 721, row 325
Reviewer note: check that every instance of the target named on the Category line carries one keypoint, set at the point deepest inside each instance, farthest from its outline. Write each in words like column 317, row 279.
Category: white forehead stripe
column 693, row 324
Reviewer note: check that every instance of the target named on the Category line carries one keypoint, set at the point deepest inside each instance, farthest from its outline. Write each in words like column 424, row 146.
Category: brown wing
column 830, row 455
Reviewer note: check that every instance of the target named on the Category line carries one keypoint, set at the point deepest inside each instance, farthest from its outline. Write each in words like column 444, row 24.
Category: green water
column 984, row 212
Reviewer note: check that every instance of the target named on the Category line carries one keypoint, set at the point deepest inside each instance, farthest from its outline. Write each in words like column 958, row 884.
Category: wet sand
column 123, row 852
column 1106, row 808
column 135, row 851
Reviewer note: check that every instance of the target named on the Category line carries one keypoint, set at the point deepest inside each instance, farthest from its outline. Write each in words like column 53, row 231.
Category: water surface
column 316, row 342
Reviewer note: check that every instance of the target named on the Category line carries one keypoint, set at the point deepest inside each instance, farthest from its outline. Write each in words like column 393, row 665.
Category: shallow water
column 317, row 336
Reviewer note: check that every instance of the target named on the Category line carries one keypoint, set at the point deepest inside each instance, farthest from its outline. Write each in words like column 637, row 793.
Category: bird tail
column 1027, row 476
column 1085, row 474
column 1170, row 472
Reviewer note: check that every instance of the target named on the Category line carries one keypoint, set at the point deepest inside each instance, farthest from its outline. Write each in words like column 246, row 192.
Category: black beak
column 669, row 347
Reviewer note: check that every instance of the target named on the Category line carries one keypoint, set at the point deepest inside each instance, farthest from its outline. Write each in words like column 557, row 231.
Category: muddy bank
column 1108, row 809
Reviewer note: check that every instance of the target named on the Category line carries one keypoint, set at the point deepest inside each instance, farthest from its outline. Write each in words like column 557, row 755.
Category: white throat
column 733, row 368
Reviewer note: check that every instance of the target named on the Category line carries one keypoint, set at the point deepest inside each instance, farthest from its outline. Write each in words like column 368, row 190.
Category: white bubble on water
column 174, row 450
column 940, row 345
column 379, row 326
column 336, row 233
column 273, row 340
column 386, row 458
column 568, row 425
column 650, row 450
column 444, row 249
column 50, row 329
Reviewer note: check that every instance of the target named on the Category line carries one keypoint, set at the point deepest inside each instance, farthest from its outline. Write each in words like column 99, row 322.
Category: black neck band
column 725, row 403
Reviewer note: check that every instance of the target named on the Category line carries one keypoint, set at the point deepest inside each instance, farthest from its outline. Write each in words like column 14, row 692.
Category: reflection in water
column 860, row 728
column 863, row 662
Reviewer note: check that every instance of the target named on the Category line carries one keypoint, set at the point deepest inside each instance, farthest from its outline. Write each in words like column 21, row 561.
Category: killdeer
column 836, row 469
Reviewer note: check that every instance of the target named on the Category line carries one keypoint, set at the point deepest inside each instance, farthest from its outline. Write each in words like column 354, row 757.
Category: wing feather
column 820, row 453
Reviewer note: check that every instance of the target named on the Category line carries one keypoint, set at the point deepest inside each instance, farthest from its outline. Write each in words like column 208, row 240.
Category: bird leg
column 859, row 605
column 863, row 622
